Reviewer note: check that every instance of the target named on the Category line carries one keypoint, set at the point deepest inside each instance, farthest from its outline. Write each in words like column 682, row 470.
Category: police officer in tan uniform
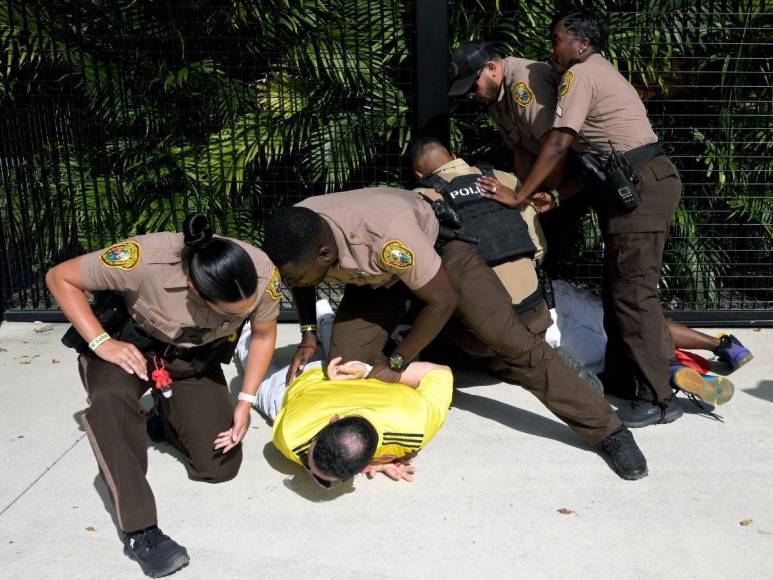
column 380, row 242
column 520, row 96
column 597, row 105
column 187, row 296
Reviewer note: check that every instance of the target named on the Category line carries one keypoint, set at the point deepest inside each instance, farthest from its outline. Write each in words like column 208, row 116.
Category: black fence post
column 432, row 69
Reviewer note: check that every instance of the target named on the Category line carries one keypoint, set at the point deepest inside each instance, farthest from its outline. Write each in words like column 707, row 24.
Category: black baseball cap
column 466, row 63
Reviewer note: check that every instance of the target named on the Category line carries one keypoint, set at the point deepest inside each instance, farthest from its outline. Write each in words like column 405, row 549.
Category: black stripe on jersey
column 388, row 433
column 412, row 445
column 302, row 445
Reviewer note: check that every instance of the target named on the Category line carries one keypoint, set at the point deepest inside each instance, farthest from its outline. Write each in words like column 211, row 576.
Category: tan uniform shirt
column 596, row 99
column 382, row 235
column 148, row 272
column 517, row 276
column 527, row 99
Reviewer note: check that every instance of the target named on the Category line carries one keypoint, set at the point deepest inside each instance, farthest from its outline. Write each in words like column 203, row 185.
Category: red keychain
column 162, row 378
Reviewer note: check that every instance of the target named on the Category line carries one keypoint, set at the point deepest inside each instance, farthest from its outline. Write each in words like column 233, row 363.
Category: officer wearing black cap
column 520, row 95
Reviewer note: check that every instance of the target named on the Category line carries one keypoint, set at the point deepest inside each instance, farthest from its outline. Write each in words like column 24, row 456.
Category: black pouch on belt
column 110, row 309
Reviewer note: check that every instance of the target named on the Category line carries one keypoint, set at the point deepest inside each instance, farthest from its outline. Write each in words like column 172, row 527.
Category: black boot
column 624, row 455
column 640, row 413
column 157, row 554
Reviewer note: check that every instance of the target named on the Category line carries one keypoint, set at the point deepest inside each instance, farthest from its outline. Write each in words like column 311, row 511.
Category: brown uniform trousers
column 367, row 316
column 639, row 344
column 199, row 409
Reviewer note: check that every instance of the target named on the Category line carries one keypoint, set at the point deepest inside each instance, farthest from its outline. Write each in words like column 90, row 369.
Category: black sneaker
column 154, row 426
column 640, row 413
column 624, row 455
column 157, row 554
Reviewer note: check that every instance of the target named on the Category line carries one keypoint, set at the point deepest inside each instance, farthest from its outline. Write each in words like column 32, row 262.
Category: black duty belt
column 641, row 155
column 170, row 351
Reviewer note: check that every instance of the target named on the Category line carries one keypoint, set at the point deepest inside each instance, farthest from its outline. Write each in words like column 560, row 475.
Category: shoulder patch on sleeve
column 124, row 256
column 566, row 84
column 397, row 255
column 274, row 288
column 522, row 93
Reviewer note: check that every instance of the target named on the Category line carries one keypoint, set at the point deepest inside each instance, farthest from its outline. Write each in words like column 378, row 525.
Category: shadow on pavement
column 107, row 502
column 763, row 390
column 299, row 481
column 518, row 419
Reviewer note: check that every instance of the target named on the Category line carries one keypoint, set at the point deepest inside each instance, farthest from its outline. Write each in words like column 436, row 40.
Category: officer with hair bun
column 186, row 297
column 597, row 111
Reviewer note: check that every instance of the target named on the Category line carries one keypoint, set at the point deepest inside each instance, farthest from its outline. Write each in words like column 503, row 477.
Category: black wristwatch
column 397, row 362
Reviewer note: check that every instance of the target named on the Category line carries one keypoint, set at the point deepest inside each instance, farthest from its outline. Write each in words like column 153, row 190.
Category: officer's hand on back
column 382, row 372
column 543, row 201
column 497, row 191
column 303, row 354
column 125, row 355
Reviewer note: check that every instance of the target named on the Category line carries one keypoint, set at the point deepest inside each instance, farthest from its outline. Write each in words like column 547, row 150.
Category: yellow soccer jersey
column 406, row 419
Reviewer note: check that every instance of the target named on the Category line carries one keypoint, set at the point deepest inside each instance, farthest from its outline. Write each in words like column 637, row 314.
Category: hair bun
column 196, row 230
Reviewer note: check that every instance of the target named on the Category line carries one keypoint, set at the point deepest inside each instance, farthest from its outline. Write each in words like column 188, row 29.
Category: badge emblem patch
column 124, row 256
column 522, row 93
column 395, row 254
column 274, row 288
column 566, row 84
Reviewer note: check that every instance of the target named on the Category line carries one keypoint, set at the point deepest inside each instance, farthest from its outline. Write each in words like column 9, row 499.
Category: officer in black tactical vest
column 511, row 242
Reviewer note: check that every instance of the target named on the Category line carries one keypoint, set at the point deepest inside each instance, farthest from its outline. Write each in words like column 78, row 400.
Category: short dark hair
column 220, row 269
column 345, row 447
column 293, row 234
column 585, row 22
column 421, row 146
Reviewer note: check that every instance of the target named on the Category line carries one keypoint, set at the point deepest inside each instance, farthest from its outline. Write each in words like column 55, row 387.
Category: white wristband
column 251, row 399
column 102, row 338
column 368, row 370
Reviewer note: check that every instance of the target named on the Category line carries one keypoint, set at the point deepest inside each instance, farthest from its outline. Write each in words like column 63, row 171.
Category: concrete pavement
column 485, row 503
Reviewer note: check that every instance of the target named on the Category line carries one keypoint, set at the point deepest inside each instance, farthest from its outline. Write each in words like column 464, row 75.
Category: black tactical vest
column 502, row 231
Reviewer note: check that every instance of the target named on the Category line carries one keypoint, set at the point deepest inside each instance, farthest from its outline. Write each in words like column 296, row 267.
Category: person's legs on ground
column 115, row 426
column 485, row 309
column 689, row 338
column 726, row 347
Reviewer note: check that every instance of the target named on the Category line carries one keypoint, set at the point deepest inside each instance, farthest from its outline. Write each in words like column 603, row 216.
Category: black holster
column 614, row 177
column 546, row 285
column 110, row 309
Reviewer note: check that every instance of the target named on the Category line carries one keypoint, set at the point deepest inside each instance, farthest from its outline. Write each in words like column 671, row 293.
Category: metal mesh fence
column 118, row 118
column 703, row 70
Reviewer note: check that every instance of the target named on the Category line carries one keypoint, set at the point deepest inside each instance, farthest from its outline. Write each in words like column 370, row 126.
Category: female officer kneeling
column 186, row 295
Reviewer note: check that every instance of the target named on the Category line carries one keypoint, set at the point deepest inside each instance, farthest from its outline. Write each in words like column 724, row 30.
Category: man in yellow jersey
column 342, row 424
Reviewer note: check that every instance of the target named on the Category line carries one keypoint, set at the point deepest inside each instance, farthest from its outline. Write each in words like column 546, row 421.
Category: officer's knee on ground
column 218, row 467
